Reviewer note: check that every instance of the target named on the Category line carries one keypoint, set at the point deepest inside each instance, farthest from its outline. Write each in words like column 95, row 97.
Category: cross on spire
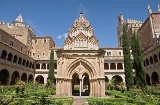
column 81, row 13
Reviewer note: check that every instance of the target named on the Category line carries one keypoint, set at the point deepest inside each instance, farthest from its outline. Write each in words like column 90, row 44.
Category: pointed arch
column 81, row 40
column 80, row 36
column 89, row 69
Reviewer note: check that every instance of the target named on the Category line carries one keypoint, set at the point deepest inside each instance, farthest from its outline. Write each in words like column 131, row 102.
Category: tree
column 127, row 60
column 138, row 62
column 51, row 76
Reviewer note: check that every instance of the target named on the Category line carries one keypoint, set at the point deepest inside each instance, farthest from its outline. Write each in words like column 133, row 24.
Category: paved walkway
column 83, row 100
column 80, row 100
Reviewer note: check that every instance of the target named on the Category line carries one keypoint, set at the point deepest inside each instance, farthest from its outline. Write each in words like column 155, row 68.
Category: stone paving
column 83, row 100
column 80, row 100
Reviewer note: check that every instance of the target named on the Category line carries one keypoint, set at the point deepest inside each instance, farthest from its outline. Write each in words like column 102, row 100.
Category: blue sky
column 54, row 17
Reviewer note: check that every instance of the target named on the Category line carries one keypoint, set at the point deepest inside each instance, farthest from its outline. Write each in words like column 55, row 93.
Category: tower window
column 108, row 53
column 33, row 54
column 120, row 53
column 38, row 55
column 11, row 43
column 42, row 54
column 44, row 40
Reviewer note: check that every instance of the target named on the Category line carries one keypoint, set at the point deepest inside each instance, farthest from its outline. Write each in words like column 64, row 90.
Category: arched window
column 4, row 54
column 15, row 59
column 27, row 64
column 155, row 58
column 106, row 66
column 10, row 56
column 119, row 66
column 20, row 60
column 112, row 66
column 147, row 62
column 43, row 66
column 151, row 60
column 38, row 66
column 24, row 62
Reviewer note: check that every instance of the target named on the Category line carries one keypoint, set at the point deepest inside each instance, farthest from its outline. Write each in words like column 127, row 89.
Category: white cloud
column 65, row 35
column 59, row 36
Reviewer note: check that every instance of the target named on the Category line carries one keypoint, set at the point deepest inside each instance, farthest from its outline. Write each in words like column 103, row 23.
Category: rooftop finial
column 81, row 13
column 19, row 18
column 81, row 9
column 149, row 9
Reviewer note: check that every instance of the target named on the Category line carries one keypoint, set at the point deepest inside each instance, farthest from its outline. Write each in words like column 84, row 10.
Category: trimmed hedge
column 42, row 101
column 119, row 101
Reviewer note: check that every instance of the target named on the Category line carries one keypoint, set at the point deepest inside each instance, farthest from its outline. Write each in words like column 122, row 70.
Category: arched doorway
column 40, row 79
column 80, row 87
column 75, row 71
column 155, row 77
column 117, row 79
column 148, row 79
column 4, row 77
column 30, row 78
column 85, row 85
column 14, row 77
column 24, row 77
column 75, row 84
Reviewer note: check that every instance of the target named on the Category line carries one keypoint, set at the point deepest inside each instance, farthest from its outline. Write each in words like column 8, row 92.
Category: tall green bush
column 51, row 76
column 138, row 62
column 127, row 60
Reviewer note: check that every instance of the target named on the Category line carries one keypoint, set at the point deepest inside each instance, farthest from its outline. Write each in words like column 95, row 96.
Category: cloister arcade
column 113, row 66
column 42, row 69
column 151, row 63
column 16, row 60
column 6, row 75
column 15, row 65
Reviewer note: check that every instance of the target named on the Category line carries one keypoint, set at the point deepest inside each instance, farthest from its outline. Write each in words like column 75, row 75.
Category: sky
column 55, row 17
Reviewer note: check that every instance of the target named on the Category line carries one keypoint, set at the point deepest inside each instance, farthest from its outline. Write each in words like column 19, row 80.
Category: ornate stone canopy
column 81, row 36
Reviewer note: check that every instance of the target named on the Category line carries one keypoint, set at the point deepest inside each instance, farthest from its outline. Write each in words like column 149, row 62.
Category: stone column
column 40, row 66
column 82, row 81
column 80, row 87
column 102, row 84
column 109, row 65
column 46, row 66
column 70, row 87
column 90, row 88
column 93, row 89
column 116, row 66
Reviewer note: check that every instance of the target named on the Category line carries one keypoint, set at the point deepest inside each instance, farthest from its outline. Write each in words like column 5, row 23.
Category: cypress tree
column 127, row 60
column 51, row 76
column 138, row 62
